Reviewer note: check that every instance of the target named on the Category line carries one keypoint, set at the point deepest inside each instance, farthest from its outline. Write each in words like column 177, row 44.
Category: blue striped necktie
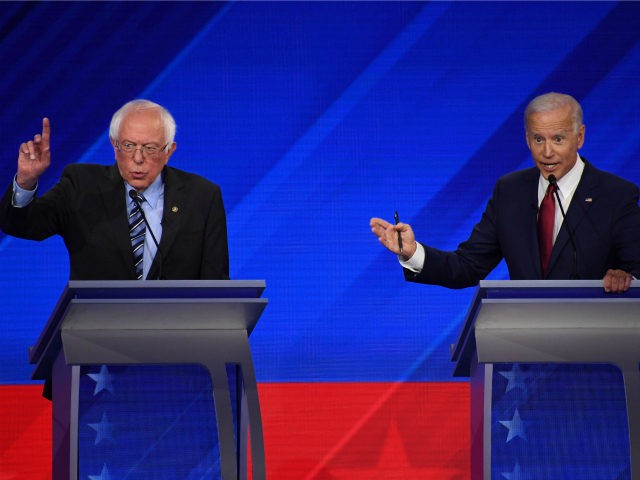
column 137, row 229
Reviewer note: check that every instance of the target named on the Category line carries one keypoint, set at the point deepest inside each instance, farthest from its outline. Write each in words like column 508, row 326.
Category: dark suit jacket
column 87, row 208
column 603, row 217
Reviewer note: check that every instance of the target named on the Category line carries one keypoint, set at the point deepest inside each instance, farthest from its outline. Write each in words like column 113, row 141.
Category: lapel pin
column 174, row 209
column 588, row 200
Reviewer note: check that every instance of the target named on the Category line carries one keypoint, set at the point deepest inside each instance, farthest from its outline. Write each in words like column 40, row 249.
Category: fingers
column 388, row 235
column 379, row 223
column 24, row 150
column 46, row 131
column 381, row 228
column 39, row 146
column 41, row 140
column 31, row 150
column 34, row 157
column 616, row 281
column 388, row 238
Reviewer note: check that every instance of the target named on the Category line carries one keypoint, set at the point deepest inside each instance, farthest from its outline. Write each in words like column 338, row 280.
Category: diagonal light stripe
column 383, row 399
column 102, row 141
column 273, row 181
column 5, row 242
column 99, row 144
column 135, row 225
column 145, row 455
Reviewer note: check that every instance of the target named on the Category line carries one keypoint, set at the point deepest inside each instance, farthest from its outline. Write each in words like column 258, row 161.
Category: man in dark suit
column 90, row 205
column 599, row 238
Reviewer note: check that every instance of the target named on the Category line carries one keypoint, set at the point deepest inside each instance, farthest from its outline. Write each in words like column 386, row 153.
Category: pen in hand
column 397, row 219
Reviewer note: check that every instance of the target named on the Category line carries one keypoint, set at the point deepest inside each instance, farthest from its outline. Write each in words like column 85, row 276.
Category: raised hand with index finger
column 34, row 157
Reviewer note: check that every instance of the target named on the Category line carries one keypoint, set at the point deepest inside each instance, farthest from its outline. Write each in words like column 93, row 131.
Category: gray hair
column 141, row 104
column 551, row 101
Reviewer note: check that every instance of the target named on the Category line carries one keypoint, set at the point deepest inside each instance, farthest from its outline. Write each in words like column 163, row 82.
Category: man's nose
column 137, row 155
column 547, row 149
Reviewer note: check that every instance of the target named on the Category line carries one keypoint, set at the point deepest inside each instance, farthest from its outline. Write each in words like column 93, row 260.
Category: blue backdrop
column 313, row 117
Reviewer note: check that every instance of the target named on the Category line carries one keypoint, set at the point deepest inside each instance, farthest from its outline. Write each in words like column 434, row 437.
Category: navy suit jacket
column 87, row 209
column 603, row 217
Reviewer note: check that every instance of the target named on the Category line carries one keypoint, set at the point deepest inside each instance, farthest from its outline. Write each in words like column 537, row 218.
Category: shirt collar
column 153, row 193
column 569, row 182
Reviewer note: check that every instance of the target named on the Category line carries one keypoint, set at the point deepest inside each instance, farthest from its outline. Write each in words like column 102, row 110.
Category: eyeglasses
column 148, row 150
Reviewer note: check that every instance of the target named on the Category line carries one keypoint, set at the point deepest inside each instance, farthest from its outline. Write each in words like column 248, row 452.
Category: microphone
column 134, row 196
column 574, row 273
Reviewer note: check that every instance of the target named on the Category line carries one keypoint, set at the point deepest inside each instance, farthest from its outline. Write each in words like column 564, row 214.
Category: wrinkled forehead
column 552, row 122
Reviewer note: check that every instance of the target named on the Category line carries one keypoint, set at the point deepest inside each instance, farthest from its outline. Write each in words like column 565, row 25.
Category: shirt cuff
column 416, row 262
column 21, row 197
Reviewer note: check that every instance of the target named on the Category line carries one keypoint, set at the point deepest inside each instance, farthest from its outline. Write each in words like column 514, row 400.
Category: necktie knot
column 139, row 198
column 551, row 189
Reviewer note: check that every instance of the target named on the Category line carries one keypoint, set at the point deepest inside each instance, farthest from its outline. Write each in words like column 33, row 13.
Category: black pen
column 397, row 218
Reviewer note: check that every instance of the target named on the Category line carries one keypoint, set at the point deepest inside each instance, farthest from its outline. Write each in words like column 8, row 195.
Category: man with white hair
column 96, row 208
column 524, row 221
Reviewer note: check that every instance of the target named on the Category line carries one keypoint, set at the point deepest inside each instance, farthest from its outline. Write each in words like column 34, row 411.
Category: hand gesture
column 34, row 158
column 387, row 234
column 616, row 281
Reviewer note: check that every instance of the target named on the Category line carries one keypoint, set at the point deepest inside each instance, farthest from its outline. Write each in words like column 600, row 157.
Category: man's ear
column 171, row 149
column 581, row 131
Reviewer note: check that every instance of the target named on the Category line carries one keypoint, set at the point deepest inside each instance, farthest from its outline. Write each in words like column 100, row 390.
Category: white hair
column 141, row 104
column 552, row 101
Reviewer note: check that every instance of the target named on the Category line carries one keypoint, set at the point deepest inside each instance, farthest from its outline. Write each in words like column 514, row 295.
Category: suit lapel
column 113, row 196
column 530, row 218
column 173, row 212
column 576, row 212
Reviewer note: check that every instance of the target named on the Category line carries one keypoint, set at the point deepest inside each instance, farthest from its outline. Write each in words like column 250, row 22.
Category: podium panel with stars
column 555, row 384
column 559, row 421
column 148, row 422
column 154, row 379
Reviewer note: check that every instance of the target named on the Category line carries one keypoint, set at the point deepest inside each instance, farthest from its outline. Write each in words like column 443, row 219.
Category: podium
column 157, row 323
column 544, row 323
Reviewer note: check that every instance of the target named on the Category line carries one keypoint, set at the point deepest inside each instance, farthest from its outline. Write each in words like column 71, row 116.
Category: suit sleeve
column 41, row 218
column 472, row 261
column 626, row 231
column 215, row 256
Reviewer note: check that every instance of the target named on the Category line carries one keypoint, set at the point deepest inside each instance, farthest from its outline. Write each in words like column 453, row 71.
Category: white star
column 515, row 427
column 103, row 430
column 515, row 378
column 515, row 474
column 104, row 474
column 102, row 379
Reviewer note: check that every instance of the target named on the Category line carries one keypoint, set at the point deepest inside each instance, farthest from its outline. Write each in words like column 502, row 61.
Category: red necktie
column 546, row 220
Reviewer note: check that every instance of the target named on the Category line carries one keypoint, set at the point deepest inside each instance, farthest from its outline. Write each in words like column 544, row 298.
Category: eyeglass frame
column 141, row 148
